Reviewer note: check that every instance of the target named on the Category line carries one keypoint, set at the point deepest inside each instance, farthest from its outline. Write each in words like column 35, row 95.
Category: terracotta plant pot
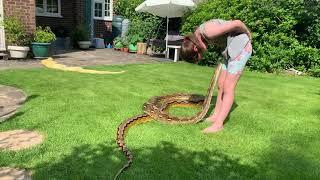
column 141, row 48
column 122, row 49
column 125, row 49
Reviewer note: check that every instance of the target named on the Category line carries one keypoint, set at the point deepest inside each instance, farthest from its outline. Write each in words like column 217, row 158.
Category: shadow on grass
column 165, row 161
column 21, row 113
column 291, row 157
column 18, row 114
column 31, row 97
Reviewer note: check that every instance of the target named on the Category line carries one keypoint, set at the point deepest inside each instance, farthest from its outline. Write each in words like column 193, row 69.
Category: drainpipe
column 2, row 33
column 92, row 19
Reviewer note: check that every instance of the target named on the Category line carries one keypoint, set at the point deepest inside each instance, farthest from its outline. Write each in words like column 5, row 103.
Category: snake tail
column 121, row 132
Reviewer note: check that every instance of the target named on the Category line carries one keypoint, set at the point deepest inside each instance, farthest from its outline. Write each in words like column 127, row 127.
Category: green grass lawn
column 272, row 132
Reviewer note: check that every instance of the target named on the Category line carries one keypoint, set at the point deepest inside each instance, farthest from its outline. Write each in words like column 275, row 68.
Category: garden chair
column 174, row 39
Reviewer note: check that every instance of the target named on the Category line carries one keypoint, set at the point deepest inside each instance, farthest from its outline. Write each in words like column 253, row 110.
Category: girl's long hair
column 188, row 52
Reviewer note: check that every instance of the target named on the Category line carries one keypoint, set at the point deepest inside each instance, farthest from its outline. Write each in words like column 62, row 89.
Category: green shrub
column 81, row 33
column 286, row 33
column 145, row 28
column 211, row 57
column 308, row 26
column 44, row 35
column 125, row 42
column 126, row 8
column 134, row 39
column 142, row 24
column 15, row 31
column 315, row 71
column 118, row 43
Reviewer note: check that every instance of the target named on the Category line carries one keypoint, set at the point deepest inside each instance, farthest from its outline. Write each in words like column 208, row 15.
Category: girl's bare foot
column 213, row 129
column 211, row 118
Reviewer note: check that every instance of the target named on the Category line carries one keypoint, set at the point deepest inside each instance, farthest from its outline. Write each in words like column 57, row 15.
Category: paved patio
column 85, row 58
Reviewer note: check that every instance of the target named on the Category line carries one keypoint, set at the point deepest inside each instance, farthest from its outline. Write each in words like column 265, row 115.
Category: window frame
column 104, row 17
column 48, row 14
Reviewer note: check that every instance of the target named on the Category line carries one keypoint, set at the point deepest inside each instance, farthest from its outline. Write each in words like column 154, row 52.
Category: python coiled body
column 157, row 108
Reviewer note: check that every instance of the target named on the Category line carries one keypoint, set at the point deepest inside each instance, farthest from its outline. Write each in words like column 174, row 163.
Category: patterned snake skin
column 157, row 108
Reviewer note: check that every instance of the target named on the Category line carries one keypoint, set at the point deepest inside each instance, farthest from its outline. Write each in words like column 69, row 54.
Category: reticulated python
column 157, row 108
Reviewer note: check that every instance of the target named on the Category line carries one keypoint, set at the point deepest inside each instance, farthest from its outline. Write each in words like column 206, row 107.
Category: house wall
column 24, row 9
column 103, row 29
column 72, row 14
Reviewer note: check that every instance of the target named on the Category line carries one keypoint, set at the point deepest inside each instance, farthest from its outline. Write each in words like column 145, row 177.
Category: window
column 48, row 8
column 103, row 9
column 107, row 9
column 98, row 10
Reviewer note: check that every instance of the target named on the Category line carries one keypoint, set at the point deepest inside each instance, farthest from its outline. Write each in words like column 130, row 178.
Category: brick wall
column 79, row 11
column 24, row 9
column 102, row 28
column 70, row 12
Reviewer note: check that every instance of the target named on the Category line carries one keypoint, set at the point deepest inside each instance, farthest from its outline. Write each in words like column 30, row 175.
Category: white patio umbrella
column 166, row 8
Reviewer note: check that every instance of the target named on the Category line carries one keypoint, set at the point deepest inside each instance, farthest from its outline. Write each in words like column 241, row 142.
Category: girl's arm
column 213, row 30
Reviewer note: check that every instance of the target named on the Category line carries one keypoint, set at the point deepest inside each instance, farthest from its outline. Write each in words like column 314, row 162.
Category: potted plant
column 118, row 43
column 125, row 43
column 43, row 37
column 81, row 37
column 17, row 38
column 134, row 41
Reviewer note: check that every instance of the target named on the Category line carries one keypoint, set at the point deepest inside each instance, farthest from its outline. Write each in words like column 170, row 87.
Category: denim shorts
column 236, row 65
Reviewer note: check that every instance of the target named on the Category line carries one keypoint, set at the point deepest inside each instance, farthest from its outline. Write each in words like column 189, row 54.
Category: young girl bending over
column 234, row 38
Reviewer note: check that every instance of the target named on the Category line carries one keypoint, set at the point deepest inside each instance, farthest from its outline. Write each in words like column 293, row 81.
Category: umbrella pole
column 167, row 39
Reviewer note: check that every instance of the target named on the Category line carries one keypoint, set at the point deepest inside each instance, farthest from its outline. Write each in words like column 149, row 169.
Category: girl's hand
column 202, row 45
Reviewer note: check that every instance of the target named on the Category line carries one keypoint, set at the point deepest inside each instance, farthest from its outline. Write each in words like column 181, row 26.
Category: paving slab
column 10, row 100
column 93, row 57
column 7, row 173
column 19, row 139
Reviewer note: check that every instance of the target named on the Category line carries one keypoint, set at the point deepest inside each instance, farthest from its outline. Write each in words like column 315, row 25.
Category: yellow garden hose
column 50, row 63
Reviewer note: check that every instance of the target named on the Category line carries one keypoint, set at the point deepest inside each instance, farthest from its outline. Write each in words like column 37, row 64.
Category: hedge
column 143, row 24
column 286, row 33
